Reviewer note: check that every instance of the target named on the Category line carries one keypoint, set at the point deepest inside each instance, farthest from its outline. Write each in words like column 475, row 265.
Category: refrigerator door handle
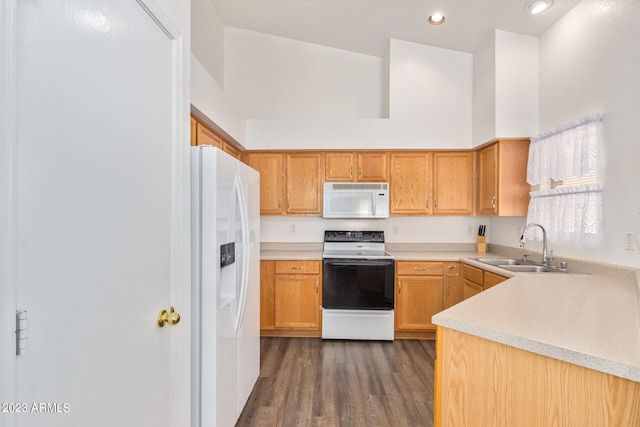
column 244, row 227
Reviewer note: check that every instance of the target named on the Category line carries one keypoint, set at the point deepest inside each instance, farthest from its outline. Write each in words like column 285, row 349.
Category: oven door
column 357, row 284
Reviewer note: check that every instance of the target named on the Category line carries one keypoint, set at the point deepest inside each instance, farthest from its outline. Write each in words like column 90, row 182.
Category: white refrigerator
column 226, row 286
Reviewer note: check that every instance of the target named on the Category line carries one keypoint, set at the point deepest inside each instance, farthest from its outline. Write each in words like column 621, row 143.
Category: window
column 564, row 171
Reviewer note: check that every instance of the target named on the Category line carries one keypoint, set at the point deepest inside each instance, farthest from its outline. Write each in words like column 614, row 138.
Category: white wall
column 210, row 99
column 589, row 63
column 484, row 91
column 397, row 229
column 517, row 78
column 271, row 77
column 429, row 96
column 505, row 87
column 207, row 43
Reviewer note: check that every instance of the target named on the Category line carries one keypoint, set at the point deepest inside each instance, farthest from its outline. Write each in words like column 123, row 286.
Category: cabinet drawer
column 492, row 279
column 297, row 267
column 472, row 274
column 420, row 268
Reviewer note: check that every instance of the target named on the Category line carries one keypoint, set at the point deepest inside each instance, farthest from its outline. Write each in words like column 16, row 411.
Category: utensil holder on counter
column 481, row 244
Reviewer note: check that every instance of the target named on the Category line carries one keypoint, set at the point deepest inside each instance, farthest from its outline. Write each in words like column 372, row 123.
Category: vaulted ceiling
column 365, row 26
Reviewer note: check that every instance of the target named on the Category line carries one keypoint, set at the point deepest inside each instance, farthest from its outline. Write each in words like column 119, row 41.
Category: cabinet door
column 206, row 137
column 410, row 183
column 271, row 167
column 297, row 301
column 492, row 279
column 487, row 180
column 471, row 289
column 194, row 132
column 304, row 183
column 418, row 298
column 453, row 183
column 373, row 167
column 339, row 167
column 453, row 289
column 267, row 294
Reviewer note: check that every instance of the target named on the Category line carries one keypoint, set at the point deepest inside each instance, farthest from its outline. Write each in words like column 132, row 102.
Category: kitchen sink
column 532, row 269
column 520, row 266
column 501, row 261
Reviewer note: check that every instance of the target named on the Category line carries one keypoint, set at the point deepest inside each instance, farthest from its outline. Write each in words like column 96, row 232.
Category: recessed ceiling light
column 436, row 19
column 536, row 6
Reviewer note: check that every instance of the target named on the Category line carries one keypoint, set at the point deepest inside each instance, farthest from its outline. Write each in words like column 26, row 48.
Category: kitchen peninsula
column 541, row 349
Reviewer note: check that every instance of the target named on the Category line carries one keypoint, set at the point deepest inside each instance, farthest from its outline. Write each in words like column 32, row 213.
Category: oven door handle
column 355, row 262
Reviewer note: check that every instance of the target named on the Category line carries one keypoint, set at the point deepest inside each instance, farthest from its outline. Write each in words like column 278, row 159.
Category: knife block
column 481, row 244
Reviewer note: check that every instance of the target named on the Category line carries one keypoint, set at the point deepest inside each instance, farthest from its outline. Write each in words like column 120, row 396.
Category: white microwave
column 356, row 200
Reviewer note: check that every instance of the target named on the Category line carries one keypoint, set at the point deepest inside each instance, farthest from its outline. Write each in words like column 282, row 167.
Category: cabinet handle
column 297, row 267
column 351, row 171
column 359, row 172
column 279, row 203
column 435, row 203
column 493, row 202
column 427, row 203
column 451, row 266
column 399, row 288
column 316, row 286
column 419, row 268
column 288, row 203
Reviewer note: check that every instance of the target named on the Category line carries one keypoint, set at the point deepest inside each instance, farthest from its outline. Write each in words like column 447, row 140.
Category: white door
column 99, row 227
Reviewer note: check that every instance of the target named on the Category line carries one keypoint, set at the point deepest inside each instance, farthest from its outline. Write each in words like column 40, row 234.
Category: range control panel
column 354, row 236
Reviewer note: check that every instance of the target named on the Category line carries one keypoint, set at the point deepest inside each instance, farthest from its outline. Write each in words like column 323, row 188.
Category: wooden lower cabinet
column 483, row 383
column 290, row 298
column 419, row 295
column 477, row 280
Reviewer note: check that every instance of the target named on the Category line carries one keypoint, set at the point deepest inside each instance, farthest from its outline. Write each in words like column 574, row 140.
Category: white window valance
column 568, row 151
column 571, row 213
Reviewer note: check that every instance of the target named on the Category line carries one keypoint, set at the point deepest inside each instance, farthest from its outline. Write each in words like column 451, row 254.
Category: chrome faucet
column 546, row 256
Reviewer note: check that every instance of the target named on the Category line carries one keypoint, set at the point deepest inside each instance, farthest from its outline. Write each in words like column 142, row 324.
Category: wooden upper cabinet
column 272, row 181
column 410, row 184
column 356, row 166
column 194, row 130
column 204, row 136
column 453, row 183
column 304, row 172
column 373, row 167
column 231, row 150
column 340, row 167
column 488, row 180
column 502, row 178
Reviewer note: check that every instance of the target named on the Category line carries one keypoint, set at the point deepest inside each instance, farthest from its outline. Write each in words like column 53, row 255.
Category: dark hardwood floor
column 311, row 382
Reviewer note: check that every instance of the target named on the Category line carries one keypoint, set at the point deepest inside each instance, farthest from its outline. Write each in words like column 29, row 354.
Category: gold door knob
column 172, row 317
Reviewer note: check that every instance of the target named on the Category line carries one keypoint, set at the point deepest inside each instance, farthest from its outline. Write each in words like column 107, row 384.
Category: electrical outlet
column 628, row 242
column 396, row 229
column 292, row 229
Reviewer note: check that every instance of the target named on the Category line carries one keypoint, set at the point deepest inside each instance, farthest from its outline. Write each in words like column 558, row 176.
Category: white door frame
column 8, row 149
column 180, row 269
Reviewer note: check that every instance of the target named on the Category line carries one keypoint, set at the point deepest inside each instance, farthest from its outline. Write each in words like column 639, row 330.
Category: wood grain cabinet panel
column 340, row 167
column 304, row 178
column 272, row 182
column 297, row 301
column 502, row 178
column 356, row 166
column 372, row 167
column 290, row 298
column 410, row 184
column 483, row 383
column 453, row 288
column 267, row 294
column 419, row 294
column 491, row 279
column 453, row 183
